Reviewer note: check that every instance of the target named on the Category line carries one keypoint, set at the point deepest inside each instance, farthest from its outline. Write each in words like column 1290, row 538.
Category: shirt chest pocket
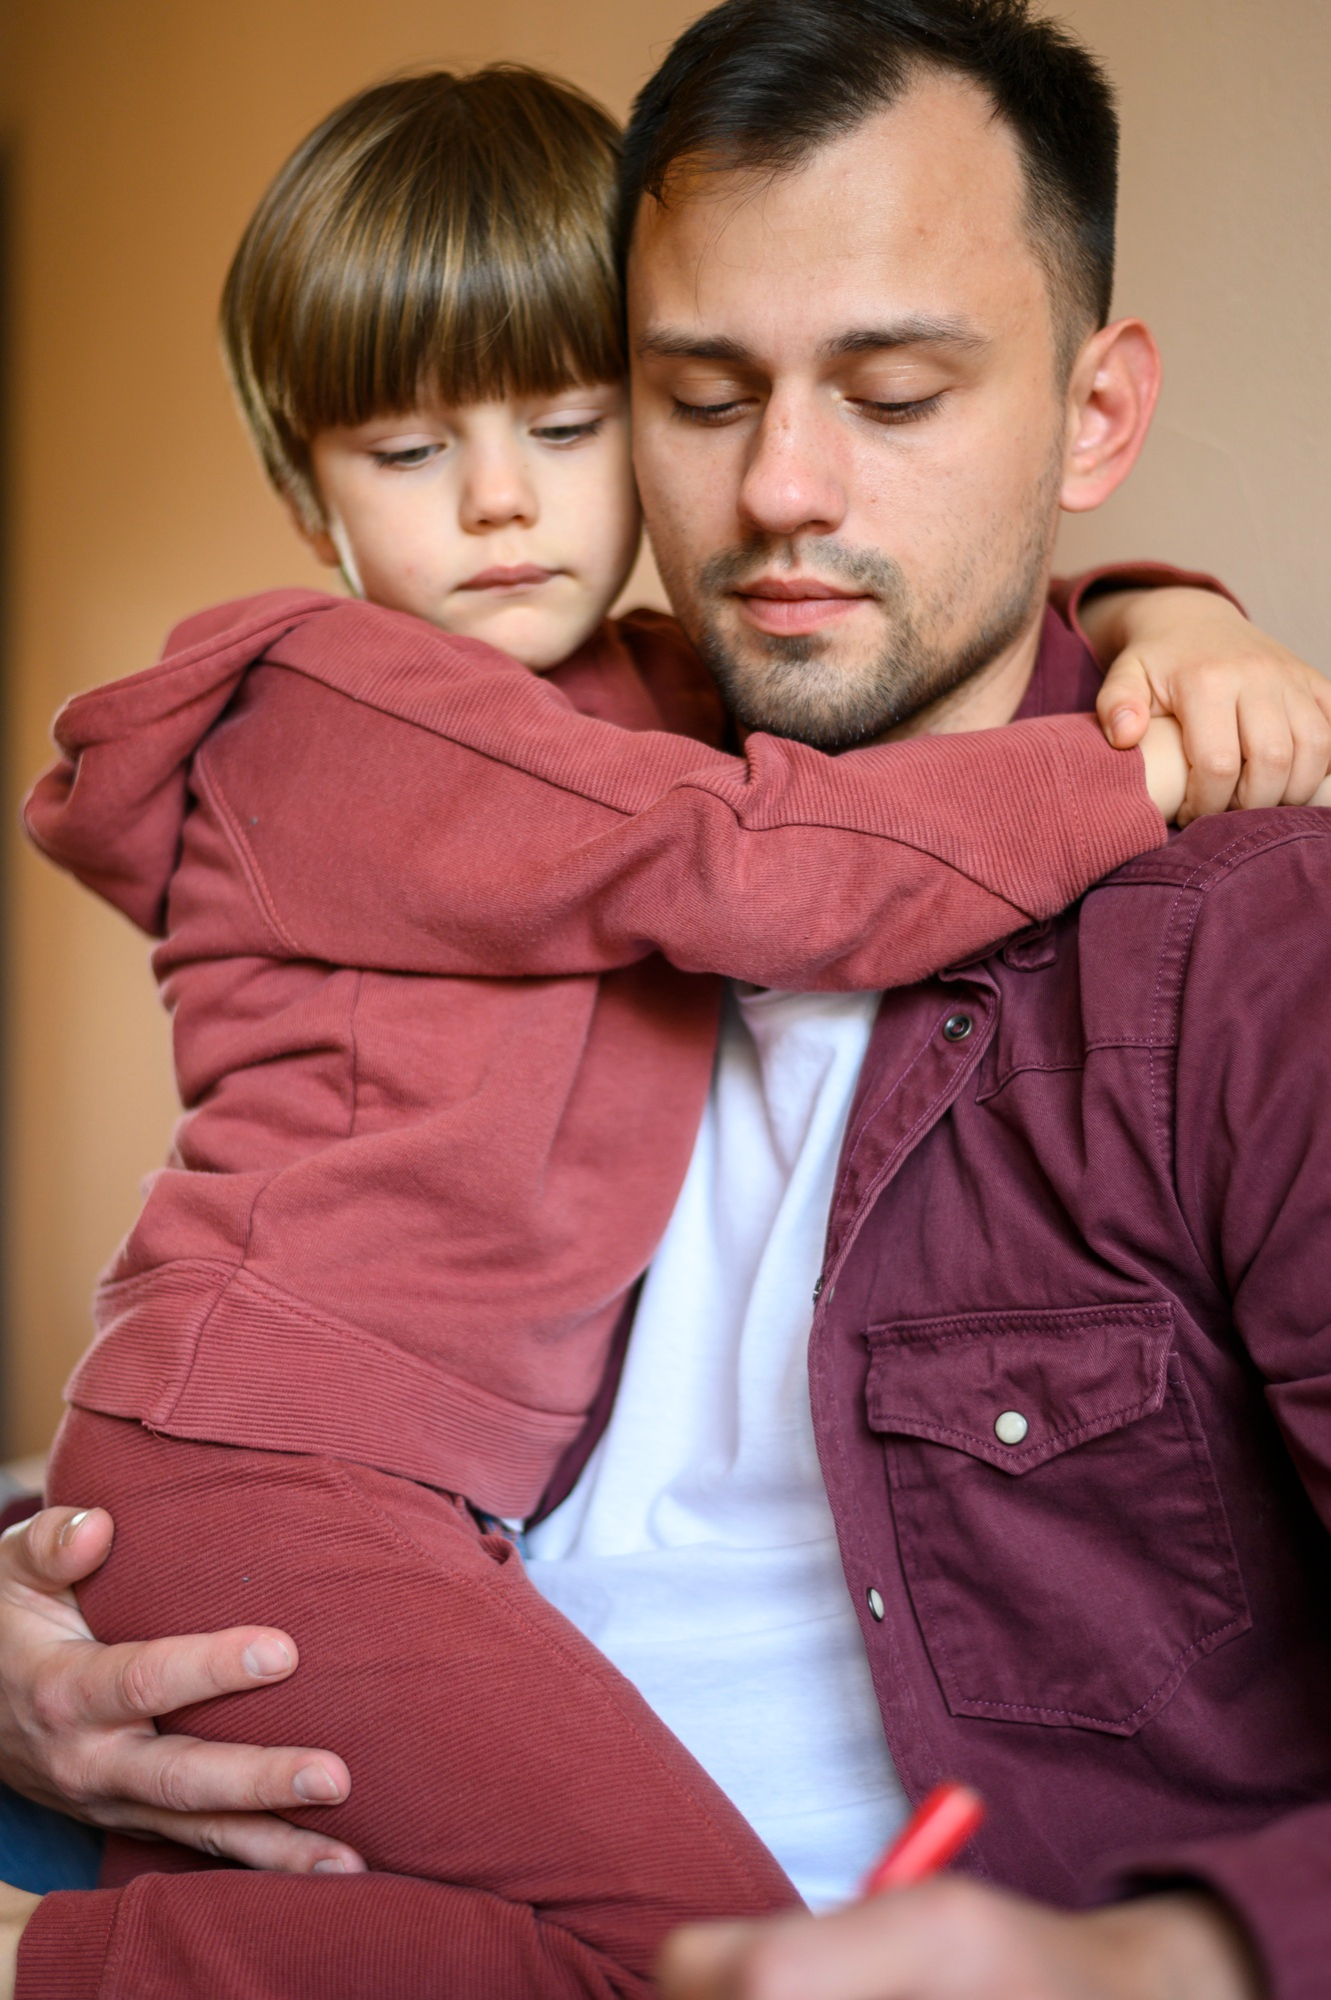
column 1060, row 1526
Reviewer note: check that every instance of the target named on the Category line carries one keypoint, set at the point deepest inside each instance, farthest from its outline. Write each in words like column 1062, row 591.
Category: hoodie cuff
column 1113, row 813
column 63, row 1952
column 1068, row 594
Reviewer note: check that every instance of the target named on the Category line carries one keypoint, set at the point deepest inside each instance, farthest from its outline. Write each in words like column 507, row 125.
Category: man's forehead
column 920, row 205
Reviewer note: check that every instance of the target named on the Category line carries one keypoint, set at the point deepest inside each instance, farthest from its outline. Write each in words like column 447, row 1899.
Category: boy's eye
column 407, row 458
column 574, row 433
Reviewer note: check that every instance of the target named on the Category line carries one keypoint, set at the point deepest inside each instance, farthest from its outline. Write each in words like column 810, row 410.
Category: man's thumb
column 58, row 1547
column 1124, row 702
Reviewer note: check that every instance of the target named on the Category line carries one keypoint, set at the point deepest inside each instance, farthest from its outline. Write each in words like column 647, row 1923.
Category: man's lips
column 786, row 605
column 522, row 576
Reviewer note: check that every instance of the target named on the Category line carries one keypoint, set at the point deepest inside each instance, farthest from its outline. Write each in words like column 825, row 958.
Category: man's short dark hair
column 764, row 83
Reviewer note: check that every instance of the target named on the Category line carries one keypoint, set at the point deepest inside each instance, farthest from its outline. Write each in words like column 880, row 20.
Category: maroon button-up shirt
column 1086, row 1188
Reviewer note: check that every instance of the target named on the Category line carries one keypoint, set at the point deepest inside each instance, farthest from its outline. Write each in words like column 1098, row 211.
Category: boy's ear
column 313, row 533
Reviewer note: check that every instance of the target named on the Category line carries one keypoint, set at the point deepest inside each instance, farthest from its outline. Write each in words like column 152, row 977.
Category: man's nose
column 792, row 484
column 497, row 491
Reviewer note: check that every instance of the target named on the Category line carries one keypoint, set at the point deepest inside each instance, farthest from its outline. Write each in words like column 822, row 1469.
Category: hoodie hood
column 112, row 809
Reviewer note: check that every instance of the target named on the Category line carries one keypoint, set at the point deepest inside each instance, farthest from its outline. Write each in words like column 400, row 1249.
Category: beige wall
column 1226, row 250
column 143, row 130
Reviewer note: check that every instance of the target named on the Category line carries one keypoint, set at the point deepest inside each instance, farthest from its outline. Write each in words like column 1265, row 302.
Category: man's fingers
column 141, row 1680
column 1124, row 702
column 255, row 1840
column 57, row 1548
column 864, row 1952
column 182, row 1774
column 706, row 1962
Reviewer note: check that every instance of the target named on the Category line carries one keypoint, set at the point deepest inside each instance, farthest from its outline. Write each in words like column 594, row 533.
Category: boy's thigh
column 490, row 1744
column 41, row 1850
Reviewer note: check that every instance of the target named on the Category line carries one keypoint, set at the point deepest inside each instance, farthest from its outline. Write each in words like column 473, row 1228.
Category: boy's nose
column 496, row 493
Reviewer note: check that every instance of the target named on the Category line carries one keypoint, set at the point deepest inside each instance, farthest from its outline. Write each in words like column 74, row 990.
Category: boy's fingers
column 1124, row 702
column 56, row 1548
column 1310, row 726
column 1267, row 742
column 1215, row 759
column 139, row 1680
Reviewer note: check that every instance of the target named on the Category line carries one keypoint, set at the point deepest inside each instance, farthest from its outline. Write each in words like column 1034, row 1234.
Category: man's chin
column 823, row 688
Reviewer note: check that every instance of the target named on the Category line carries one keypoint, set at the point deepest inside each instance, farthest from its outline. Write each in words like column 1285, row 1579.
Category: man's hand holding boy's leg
column 77, row 1728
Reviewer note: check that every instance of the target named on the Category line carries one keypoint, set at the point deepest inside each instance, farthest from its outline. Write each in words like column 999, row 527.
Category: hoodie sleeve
column 394, row 808
column 111, row 810
column 308, row 777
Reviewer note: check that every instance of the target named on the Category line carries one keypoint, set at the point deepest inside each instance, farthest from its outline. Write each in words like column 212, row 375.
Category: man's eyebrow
column 952, row 333
column 668, row 343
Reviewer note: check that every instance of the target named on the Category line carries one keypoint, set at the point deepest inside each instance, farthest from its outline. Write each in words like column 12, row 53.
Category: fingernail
column 317, row 1787
column 1122, row 718
column 72, row 1525
column 265, row 1658
column 330, row 1868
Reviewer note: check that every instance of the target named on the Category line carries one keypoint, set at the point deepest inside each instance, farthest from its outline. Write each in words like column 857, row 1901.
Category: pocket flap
column 1055, row 1378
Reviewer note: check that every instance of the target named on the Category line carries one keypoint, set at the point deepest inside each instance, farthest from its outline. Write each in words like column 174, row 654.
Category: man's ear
column 313, row 534
column 1111, row 400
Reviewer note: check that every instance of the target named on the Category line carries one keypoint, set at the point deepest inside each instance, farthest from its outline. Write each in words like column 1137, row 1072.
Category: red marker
column 936, row 1833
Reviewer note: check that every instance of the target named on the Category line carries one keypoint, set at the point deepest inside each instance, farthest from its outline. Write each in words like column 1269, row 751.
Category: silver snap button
column 1011, row 1427
column 957, row 1027
column 877, row 1609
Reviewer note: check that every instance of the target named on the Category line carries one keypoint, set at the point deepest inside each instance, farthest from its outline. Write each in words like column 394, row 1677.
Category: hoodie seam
column 259, row 893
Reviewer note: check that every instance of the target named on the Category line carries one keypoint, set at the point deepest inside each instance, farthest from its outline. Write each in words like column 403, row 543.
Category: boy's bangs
column 488, row 312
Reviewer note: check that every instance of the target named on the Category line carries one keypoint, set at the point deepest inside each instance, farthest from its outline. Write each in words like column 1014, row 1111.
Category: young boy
column 441, row 1086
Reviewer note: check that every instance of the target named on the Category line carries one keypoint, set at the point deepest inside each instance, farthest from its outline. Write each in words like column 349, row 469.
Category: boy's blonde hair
column 438, row 234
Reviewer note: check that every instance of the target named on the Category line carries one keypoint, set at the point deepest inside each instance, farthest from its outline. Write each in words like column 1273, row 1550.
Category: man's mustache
column 867, row 570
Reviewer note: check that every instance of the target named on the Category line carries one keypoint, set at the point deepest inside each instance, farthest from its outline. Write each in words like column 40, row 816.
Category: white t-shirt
column 697, row 1549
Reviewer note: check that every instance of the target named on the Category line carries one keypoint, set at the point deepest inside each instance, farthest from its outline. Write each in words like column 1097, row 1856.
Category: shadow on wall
column 6, row 708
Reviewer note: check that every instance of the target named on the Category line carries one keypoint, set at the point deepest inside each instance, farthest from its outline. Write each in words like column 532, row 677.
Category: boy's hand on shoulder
column 1255, row 719
column 77, row 1719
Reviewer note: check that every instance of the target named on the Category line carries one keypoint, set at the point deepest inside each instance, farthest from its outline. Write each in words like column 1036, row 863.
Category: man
column 1071, row 1267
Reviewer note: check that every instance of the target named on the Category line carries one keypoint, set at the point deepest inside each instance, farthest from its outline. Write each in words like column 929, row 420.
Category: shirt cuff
column 1275, row 1883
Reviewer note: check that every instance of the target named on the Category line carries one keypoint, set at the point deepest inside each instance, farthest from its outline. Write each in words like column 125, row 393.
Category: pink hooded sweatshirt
column 430, row 929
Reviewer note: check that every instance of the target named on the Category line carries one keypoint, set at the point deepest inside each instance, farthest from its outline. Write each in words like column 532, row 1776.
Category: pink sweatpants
column 491, row 1746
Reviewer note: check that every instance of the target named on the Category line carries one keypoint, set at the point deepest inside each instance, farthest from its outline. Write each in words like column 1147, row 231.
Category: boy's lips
column 785, row 605
column 521, row 576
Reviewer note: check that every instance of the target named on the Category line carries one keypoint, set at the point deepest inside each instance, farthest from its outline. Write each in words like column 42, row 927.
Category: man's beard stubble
column 798, row 688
